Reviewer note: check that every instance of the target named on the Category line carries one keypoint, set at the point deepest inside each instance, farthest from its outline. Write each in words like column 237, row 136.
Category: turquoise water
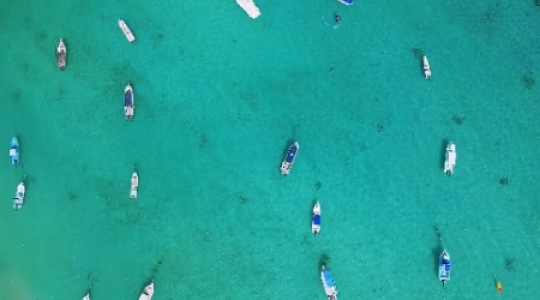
column 218, row 98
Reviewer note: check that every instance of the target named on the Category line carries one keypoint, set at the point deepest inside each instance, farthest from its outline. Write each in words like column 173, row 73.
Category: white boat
column 316, row 220
column 445, row 266
column 427, row 68
column 134, row 185
column 328, row 284
column 288, row 161
column 450, row 158
column 148, row 292
column 86, row 297
column 249, row 6
column 18, row 200
column 129, row 102
column 61, row 54
column 127, row 32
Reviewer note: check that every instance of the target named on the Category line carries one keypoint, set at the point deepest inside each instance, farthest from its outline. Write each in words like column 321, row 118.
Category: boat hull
column 328, row 284
column 450, row 159
column 61, row 55
column 445, row 267
column 250, row 8
column 316, row 219
column 18, row 200
column 148, row 292
column 129, row 102
column 127, row 32
column 289, row 159
column 134, row 185
column 14, row 151
column 427, row 68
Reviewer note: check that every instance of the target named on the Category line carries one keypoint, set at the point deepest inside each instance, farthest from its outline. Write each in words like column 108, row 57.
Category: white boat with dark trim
column 288, row 161
column 427, row 68
column 61, row 54
column 134, row 185
column 450, row 158
column 445, row 267
column 347, row 2
column 127, row 32
column 316, row 220
column 328, row 284
column 18, row 200
column 129, row 102
column 250, row 8
column 148, row 292
column 87, row 296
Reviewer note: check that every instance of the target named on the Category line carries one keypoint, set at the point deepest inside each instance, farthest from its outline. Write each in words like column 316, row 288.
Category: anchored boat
column 316, row 220
column 450, row 158
column 14, row 151
column 86, row 297
column 250, row 8
column 18, row 200
column 134, row 185
column 127, row 32
column 148, row 292
column 328, row 284
column 444, row 267
column 61, row 54
column 427, row 68
column 288, row 161
column 129, row 102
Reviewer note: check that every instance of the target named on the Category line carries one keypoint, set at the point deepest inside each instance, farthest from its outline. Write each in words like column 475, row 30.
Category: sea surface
column 219, row 97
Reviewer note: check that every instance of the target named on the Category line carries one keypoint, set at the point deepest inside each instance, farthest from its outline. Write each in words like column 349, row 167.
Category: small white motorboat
column 87, row 296
column 450, row 158
column 129, row 102
column 61, row 54
column 316, row 220
column 18, row 200
column 148, row 292
column 427, row 68
column 288, row 161
column 134, row 185
column 445, row 267
column 328, row 284
column 127, row 32
column 249, row 6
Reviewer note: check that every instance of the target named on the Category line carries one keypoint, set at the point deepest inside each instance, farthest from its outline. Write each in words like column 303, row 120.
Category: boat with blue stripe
column 288, row 161
column 129, row 102
column 316, row 220
column 445, row 267
column 14, row 151
column 328, row 284
column 347, row 2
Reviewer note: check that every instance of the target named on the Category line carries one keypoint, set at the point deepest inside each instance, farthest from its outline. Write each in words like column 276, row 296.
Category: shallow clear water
column 218, row 98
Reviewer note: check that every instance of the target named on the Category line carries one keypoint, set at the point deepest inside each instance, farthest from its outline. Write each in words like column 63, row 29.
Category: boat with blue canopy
column 288, row 161
column 445, row 267
column 129, row 102
column 14, row 151
column 328, row 284
column 316, row 220
column 347, row 2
